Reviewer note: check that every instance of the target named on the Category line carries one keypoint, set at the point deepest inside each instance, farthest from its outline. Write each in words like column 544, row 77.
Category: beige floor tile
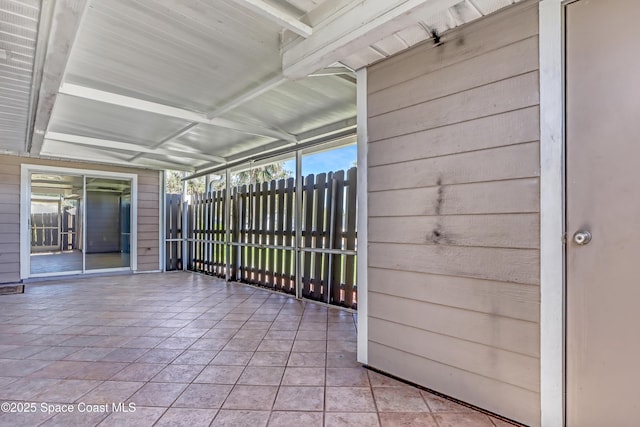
column 269, row 358
column 440, row 404
column 178, row 374
column 304, row 376
column 157, row 394
column 351, row 419
column 295, row 419
column 260, row 376
column 309, row 360
column 138, row 372
column 275, row 345
column 347, row 377
column 400, row 419
column 468, row 419
column 349, row 399
column 399, row 399
column 251, row 397
column 111, row 392
column 186, row 417
column 204, row 396
column 292, row 398
column 195, row 357
column 75, row 419
column 379, row 380
column 141, row 417
column 219, row 374
column 239, row 418
column 237, row 358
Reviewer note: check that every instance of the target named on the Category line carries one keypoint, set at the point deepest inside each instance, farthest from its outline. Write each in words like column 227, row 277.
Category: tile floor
column 190, row 350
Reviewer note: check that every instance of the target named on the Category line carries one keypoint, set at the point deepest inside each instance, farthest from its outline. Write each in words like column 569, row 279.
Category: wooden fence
column 53, row 231
column 262, row 236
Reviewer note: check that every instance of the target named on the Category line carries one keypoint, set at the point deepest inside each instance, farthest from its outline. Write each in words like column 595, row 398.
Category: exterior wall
column 148, row 212
column 453, row 211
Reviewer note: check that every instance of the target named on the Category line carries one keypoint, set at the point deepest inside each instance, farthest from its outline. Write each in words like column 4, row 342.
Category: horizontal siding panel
column 151, row 212
column 149, row 188
column 12, row 237
column 7, row 248
column 515, row 196
column 148, row 204
column 510, row 401
column 509, row 128
column 9, row 189
column 12, row 257
column 149, row 196
column 476, row 38
column 150, row 219
column 10, row 219
column 148, row 228
column 9, row 207
column 504, row 265
column 512, row 162
column 503, row 63
column 505, row 333
column 148, row 179
column 497, row 231
column 9, row 178
column 518, row 301
column 506, row 95
column 9, row 277
column 505, row 366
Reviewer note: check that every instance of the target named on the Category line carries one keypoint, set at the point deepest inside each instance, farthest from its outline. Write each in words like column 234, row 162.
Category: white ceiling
column 18, row 34
column 197, row 84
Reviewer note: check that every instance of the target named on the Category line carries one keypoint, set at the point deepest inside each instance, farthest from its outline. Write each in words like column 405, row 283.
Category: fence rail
column 53, row 231
column 262, row 249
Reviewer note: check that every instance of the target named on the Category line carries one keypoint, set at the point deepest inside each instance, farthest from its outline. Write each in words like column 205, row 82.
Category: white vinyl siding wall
column 453, row 211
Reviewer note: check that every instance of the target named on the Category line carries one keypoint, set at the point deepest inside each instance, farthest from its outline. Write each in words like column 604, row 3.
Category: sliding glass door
column 108, row 220
column 79, row 223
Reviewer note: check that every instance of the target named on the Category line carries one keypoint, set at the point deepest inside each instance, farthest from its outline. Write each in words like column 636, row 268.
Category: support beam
column 169, row 111
column 247, row 96
column 127, row 146
column 66, row 21
column 228, row 106
column 114, row 161
column 354, row 29
column 277, row 16
column 335, row 131
column 171, row 137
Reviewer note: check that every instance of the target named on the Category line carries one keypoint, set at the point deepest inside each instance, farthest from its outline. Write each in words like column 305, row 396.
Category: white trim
column 552, row 295
column 25, row 202
column 353, row 29
column 277, row 16
column 363, row 223
column 162, row 214
column 98, row 95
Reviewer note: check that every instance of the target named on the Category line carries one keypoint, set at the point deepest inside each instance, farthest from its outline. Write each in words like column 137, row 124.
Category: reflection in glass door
column 78, row 223
column 108, row 219
column 56, row 223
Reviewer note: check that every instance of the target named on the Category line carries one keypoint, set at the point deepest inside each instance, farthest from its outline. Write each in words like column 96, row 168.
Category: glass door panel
column 56, row 223
column 108, row 223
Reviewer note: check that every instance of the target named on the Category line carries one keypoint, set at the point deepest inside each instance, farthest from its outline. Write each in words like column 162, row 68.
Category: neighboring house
column 498, row 221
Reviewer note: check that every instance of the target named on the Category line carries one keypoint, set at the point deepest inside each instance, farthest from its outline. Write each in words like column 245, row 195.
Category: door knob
column 582, row 237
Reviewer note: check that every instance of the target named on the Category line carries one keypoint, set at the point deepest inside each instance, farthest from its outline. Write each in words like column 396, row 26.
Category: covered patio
column 189, row 349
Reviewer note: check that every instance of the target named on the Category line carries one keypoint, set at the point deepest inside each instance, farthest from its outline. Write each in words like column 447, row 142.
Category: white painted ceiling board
column 302, row 105
column 222, row 142
column 78, row 116
column 191, row 55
